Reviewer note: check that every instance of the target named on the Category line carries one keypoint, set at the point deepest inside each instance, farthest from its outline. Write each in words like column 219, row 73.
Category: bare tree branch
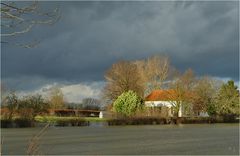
column 17, row 20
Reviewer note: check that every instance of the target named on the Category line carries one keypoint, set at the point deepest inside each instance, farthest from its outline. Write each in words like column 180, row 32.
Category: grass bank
column 85, row 121
column 53, row 119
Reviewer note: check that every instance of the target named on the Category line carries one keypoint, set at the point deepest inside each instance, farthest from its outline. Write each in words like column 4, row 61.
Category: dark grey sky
column 90, row 36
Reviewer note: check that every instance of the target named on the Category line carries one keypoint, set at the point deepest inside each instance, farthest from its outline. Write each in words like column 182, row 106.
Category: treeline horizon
column 195, row 93
column 142, row 77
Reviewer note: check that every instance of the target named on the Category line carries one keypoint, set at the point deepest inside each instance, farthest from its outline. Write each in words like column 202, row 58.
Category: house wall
column 158, row 103
column 169, row 105
column 203, row 114
column 163, row 103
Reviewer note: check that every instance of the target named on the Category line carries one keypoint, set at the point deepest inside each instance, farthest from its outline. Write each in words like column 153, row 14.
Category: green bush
column 128, row 103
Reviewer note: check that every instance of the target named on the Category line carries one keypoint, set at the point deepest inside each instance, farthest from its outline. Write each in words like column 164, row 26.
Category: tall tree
column 181, row 92
column 154, row 71
column 4, row 93
column 205, row 92
column 227, row 100
column 122, row 77
column 56, row 98
column 91, row 103
column 11, row 103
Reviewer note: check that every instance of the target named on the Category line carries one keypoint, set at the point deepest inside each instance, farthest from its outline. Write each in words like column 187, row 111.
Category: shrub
column 128, row 103
column 31, row 106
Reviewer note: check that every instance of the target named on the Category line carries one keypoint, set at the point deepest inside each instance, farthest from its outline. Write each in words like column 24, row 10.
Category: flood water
column 217, row 139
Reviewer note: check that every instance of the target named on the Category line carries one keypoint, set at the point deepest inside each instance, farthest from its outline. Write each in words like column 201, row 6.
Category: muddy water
column 102, row 140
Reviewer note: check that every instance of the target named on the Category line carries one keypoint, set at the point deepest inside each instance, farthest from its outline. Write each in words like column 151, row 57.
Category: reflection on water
column 100, row 139
column 98, row 124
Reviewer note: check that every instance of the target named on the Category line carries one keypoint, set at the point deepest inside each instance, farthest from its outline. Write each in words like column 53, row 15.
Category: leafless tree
column 121, row 77
column 4, row 92
column 205, row 91
column 18, row 18
column 182, row 91
column 154, row 71
column 91, row 103
column 56, row 98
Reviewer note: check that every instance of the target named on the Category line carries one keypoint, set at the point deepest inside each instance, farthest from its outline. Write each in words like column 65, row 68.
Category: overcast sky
column 90, row 36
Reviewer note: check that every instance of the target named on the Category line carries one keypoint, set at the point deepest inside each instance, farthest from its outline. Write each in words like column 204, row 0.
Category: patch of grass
column 54, row 119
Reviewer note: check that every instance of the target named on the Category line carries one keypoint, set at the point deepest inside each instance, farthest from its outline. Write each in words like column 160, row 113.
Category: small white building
column 166, row 98
column 167, row 104
column 162, row 98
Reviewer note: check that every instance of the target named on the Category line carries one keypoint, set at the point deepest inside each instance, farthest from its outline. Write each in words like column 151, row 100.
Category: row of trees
column 31, row 105
column 195, row 94
column 27, row 107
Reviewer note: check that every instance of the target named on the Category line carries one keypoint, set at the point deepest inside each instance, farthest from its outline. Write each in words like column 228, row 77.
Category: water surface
column 217, row 139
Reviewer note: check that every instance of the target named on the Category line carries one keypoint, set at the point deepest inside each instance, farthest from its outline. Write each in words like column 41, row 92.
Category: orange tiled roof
column 161, row 95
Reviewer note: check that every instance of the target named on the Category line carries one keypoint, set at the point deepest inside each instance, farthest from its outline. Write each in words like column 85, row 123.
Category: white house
column 167, row 98
column 160, row 98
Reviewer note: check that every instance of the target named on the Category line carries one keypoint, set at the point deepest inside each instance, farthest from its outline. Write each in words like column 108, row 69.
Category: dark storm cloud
column 90, row 36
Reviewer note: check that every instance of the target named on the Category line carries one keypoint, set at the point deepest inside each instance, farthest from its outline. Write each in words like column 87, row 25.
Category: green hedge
column 138, row 121
column 173, row 120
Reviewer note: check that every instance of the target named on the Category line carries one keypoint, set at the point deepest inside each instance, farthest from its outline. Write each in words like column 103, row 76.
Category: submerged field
column 202, row 139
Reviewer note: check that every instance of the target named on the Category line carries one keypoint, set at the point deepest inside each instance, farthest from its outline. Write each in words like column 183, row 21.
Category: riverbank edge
column 86, row 121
